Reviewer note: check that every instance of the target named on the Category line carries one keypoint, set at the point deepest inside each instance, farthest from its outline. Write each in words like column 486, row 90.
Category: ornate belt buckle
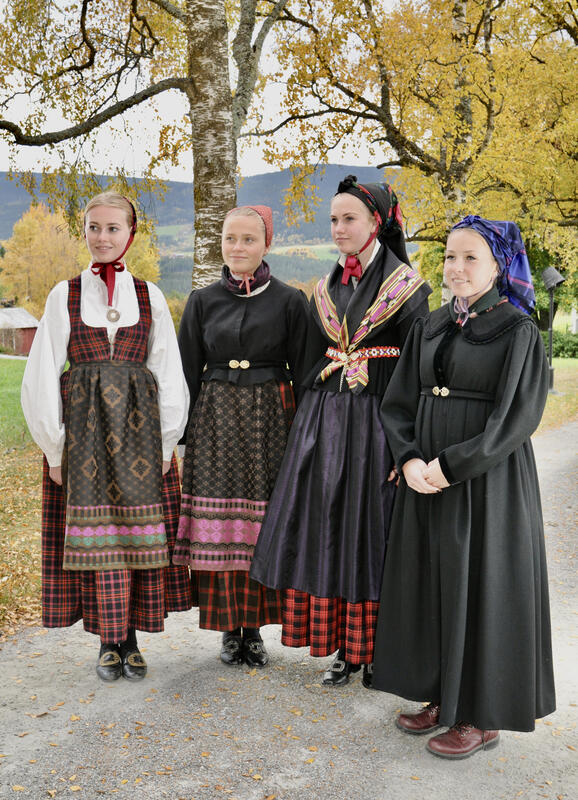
column 436, row 390
column 244, row 364
column 444, row 391
column 234, row 364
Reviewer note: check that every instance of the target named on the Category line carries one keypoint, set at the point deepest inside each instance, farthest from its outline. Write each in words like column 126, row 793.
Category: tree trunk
column 214, row 149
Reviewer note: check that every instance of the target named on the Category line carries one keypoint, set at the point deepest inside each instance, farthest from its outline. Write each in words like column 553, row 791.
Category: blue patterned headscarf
column 505, row 242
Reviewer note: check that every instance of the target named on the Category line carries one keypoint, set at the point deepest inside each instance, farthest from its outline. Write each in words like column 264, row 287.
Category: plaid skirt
column 328, row 624
column 110, row 601
column 231, row 599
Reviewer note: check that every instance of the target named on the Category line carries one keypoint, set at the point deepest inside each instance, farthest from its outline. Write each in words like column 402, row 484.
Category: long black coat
column 464, row 615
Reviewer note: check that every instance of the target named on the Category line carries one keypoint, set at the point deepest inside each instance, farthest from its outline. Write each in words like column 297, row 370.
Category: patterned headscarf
column 380, row 199
column 505, row 241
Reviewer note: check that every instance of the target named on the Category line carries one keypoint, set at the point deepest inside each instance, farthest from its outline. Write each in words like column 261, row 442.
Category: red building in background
column 17, row 330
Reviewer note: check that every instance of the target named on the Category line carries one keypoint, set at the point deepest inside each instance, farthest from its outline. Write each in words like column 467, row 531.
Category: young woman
column 108, row 426
column 324, row 536
column 464, row 621
column 241, row 341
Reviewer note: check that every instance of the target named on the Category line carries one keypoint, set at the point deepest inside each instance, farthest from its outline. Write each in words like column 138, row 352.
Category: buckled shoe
column 134, row 667
column 232, row 648
column 424, row 721
column 461, row 741
column 109, row 664
column 254, row 651
column 339, row 672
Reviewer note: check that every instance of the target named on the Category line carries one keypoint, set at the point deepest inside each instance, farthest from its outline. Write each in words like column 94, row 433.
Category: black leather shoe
column 367, row 679
column 254, row 651
column 232, row 648
column 339, row 672
column 134, row 667
column 109, row 665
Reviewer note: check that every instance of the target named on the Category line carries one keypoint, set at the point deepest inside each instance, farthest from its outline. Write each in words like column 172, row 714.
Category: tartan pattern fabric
column 231, row 599
column 109, row 602
column 235, row 445
column 328, row 624
column 92, row 344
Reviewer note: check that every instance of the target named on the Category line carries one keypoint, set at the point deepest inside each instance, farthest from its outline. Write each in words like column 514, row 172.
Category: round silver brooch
column 113, row 315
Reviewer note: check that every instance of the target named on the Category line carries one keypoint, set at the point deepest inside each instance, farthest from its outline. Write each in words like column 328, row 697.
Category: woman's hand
column 393, row 476
column 435, row 476
column 166, row 467
column 414, row 472
column 55, row 474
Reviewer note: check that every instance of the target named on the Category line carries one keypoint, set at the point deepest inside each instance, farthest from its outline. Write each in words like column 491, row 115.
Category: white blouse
column 40, row 394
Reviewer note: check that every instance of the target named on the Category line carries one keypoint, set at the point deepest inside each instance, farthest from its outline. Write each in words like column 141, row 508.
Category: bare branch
column 74, row 131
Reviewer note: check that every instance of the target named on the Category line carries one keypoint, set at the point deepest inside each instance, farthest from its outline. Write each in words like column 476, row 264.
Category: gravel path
column 198, row 730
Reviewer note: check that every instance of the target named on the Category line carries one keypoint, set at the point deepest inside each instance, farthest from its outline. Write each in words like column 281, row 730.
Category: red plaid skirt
column 328, row 624
column 109, row 602
column 229, row 600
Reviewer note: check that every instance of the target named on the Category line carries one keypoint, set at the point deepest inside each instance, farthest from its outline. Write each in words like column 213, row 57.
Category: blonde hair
column 114, row 200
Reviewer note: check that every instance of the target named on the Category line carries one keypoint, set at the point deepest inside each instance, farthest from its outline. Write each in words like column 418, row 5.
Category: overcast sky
column 113, row 146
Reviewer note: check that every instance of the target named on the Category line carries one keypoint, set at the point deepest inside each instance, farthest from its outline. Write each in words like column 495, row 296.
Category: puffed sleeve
column 165, row 364
column 297, row 324
column 191, row 346
column 401, row 399
column 520, row 400
column 40, row 391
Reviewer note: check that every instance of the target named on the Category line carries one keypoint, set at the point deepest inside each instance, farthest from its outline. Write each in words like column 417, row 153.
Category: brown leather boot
column 424, row 721
column 461, row 741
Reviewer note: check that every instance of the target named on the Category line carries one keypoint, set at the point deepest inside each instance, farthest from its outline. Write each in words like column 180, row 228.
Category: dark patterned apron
column 113, row 453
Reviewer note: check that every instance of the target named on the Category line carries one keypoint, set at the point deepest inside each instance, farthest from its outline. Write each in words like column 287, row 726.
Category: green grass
column 562, row 404
column 13, row 429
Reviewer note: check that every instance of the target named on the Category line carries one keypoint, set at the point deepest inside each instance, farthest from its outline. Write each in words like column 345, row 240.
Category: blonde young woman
column 108, row 425
column 242, row 342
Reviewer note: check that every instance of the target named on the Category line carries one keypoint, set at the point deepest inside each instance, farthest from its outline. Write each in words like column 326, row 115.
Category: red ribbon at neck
column 352, row 267
column 246, row 280
column 107, row 273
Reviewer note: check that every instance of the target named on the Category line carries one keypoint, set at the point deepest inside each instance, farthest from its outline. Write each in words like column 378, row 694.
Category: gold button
column 444, row 391
column 436, row 390
column 244, row 364
column 234, row 364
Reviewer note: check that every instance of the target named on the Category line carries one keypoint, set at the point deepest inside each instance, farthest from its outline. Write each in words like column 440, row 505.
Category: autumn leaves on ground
column 20, row 490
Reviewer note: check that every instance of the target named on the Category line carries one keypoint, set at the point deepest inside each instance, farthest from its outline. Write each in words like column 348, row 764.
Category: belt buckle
column 436, row 390
column 234, row 364
column 244, row 364
column 444, row 391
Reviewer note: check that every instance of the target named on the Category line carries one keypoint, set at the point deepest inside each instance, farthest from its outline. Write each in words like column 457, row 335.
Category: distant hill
column 175, row 217
column 177, row 207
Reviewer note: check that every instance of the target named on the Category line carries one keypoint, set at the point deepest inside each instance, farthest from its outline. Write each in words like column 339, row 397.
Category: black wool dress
column 464, row 617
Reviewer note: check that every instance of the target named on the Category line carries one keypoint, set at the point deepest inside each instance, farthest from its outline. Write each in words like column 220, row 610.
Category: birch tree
column 93, row 62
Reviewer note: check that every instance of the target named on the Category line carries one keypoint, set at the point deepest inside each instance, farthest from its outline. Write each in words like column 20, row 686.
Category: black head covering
column 380, row 197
